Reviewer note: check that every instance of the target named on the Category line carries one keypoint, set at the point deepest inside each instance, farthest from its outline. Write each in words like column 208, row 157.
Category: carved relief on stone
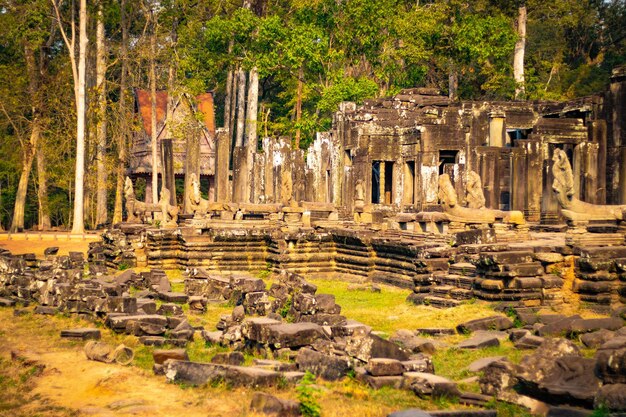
column 198, row 205
column 475, row 198
column 169, row 213
column 571, row 207
column 359, row 193
column 449, row 200
column 136, row 210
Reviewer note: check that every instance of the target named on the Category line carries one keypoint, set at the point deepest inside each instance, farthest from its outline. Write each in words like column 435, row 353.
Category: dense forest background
column 306, row 55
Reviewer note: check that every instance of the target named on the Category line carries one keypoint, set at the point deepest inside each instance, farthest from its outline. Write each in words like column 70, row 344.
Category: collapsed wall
column 439, row 272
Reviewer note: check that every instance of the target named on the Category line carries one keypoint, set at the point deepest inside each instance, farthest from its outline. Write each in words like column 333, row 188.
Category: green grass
column 388, row 310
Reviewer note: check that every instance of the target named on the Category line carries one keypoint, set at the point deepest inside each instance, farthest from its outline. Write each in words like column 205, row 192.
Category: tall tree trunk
column 251, row 124
column 227, row 99
column 153, row 115
column 228, row 108
column 78, row 224
column 518, row 57
column 121, row 141
column 233, row 112
column 27, row 162
column 241, row 106
column 253, row 103
column 29, row 148
column 453, row 81
column 101, row 133
column 42, row 193
column 299, row 105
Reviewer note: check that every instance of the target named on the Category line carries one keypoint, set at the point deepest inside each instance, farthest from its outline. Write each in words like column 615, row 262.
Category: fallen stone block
column 529, row 341
column 378, row 382
column 228, row 358
column 213, row 338
column 423, row 384
column 269, row 404
column 611, row 366
column 591, row 325
column 487, row 323
column 294, row 334
column 558, row 377
column 419, row 363
column 46, row 310
column 611, row 396
column 596, row 339
column 7, row 302
column 479, row 341
column 173, row 297
column 330, row 368
column 102, row 352
column 161, row 355
column 384, row 367
column 81, row 334
column 480, row 364
column 372, row 346
column 274, row 365
column 196, row 373
column 412, row 343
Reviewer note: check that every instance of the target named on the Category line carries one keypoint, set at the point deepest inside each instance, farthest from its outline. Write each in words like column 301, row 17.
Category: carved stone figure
column 136, row 210
column 169, row 213
column 475, row 198
column 571, row 207
column 449, row 200
column 286, row 189
column 198, row 205
column 359, row 193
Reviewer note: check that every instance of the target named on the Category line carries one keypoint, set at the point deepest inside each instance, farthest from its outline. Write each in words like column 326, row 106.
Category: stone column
column 192, row 165
column 497, row 130
column 617, row 137
column 222, row 158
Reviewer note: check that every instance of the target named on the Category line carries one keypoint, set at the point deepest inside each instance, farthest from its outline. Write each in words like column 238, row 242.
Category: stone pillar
column 590, row 179
column 240, row 175
column 534, row 178
column 616, row 179
column 192, row 165
column 518, row 179
column 497, row 129
column 167, row 155
column 598, row 136
column 577, row 169
column 148, row 196
column 622, row 175
column 222, row 158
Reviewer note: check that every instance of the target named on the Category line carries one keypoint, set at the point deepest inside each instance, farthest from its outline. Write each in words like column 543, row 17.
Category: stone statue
column 571, row 207
column 474, row 196
column 136, row 210
column 286, row 188
column 169, row 213
column 359, row 193
column 449, row 200
column 198, row 205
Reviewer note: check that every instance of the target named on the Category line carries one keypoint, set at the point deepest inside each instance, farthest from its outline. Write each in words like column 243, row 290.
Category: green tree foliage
column 335, row 50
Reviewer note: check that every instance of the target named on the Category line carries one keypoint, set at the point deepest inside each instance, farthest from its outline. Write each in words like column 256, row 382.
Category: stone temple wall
column 438, row 271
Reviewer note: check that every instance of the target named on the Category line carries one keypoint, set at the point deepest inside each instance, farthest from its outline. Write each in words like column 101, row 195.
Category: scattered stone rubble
column 298, row 330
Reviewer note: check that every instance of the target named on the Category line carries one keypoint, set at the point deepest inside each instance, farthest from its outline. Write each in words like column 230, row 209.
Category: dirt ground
column 37, row 246
column 90, row 388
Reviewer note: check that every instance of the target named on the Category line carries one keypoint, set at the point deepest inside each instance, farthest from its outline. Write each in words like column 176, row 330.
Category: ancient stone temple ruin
column 517, row 204
column 452, row 199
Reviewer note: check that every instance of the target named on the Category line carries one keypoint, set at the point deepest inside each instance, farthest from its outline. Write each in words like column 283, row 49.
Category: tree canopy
column 310, row 56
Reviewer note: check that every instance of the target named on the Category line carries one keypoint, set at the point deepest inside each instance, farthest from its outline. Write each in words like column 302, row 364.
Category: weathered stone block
column 268, row 404
column 327, row 367
column 384, row 367
column 487, row 323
